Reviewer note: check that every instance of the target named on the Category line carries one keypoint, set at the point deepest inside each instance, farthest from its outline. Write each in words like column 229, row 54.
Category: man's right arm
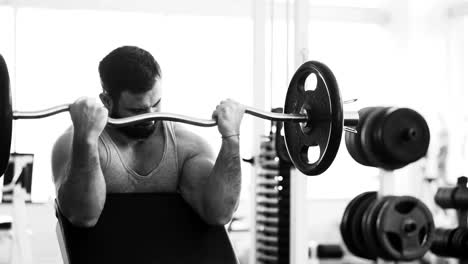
column 78, row 177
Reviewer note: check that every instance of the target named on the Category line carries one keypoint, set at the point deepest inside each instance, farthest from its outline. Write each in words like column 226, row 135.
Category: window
column 347, row 3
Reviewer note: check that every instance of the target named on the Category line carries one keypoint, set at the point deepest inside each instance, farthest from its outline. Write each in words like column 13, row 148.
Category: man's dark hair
column 128, row 68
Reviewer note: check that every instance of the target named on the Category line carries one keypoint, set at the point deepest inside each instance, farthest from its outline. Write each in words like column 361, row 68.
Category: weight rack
column 453, row 242
column 272, row 202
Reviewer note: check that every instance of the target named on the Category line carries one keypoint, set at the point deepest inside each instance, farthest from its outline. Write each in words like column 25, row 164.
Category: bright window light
column 346, row 3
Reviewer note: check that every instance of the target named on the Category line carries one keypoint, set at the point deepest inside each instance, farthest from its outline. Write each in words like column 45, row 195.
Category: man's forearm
column 222, row 190
column 82, row 194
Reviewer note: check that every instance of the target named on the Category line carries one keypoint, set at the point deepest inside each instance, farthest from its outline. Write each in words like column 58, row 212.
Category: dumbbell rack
column 380, row 223
column 272, row 204
column 453, row 242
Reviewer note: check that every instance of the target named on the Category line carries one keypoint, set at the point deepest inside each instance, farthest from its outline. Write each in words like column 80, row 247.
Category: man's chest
column 145, row 157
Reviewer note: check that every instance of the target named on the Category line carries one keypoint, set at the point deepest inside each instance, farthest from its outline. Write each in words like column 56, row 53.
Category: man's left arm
column 213, row 188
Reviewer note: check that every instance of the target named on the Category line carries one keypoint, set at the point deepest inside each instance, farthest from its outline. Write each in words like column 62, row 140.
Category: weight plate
column 280, row 144
column 368, row 225
column 450, row 242
column 281, row 150
column 6, row 116
column 403, row 135
column 444, row 197
column 350, row 226
column 441, row 244
column 405, row 228
column 368, row 140
column 324, row 109
column 460, row 242
column 353, row 140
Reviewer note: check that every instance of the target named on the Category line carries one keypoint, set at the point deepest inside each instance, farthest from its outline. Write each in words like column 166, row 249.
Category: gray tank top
column 120, row 178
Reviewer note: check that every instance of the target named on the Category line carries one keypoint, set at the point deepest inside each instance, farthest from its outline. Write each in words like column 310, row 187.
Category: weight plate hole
column 410, row 134
column 405, row 207
column 410, row 227
column 395, row 241
column 422, row 236
column 311, row 82
column 313, row 154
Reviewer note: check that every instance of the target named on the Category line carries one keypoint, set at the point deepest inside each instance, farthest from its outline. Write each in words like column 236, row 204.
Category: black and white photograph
column 234, row 131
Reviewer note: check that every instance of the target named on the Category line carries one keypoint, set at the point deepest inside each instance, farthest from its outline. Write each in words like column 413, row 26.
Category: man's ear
column 107, row 101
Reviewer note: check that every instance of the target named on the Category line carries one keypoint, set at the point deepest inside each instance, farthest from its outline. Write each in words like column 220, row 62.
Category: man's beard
column 138, row 131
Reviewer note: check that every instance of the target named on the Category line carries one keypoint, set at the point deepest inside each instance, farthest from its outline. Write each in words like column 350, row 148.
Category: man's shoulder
column 184, row 134
column 189, row 142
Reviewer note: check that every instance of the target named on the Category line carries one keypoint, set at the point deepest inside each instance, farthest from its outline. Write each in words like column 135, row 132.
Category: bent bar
column 350, row 118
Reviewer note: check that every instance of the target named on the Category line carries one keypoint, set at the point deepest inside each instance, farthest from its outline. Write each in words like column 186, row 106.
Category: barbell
column 311, row 117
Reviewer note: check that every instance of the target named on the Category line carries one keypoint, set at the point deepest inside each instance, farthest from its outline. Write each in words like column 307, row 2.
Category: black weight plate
column 441, row 245
column 281, row 150
column 353, row 140
column 368, row 142
column 404, row 135
column 387, row 162
column 405, row 228
column 324, row 128
column 369, row 224
column 444, row 197
column 345, row 225
column 370, row 245
column 459, row 243
column 6, row 116
column 350, row 226
column 280, row 144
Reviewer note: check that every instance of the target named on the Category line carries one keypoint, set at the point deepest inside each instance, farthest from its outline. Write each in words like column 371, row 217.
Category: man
column 91, row 159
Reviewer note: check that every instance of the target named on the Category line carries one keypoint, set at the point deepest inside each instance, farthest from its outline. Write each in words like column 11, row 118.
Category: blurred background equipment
column 453, row 242
column 394, row 228
column 19, row 172
column 272, row 199
column 388, row 137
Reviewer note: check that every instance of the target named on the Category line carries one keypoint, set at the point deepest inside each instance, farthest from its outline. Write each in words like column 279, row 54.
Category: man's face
column 130, row 104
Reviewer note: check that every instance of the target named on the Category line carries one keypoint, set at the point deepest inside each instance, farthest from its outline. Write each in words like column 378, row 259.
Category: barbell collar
column 350, row 118
column 275, row 116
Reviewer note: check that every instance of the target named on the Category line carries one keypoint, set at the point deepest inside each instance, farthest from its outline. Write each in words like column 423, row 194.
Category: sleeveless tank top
column 120, row 178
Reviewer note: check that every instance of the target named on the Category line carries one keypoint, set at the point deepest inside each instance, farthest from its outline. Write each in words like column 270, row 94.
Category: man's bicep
column 195, row 172
column 194, row 175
